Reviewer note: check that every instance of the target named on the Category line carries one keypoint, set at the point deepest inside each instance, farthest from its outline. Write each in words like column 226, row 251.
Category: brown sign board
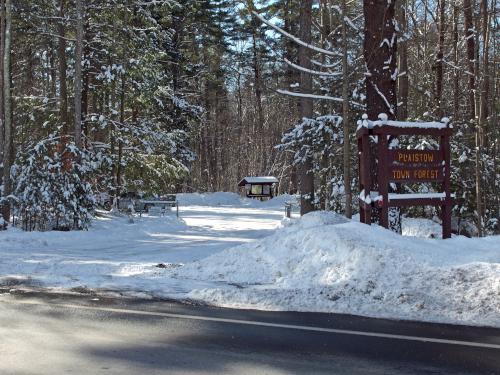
column 415, row 174
column 416, row 157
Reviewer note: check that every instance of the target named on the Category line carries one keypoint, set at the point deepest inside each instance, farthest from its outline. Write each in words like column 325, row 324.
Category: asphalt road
column 62, row 334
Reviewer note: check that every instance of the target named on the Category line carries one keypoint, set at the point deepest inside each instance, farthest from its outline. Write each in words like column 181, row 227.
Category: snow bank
column 323, row 263
column 418, row 227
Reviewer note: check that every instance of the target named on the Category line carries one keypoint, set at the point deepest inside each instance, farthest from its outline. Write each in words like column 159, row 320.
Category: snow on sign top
column 259, row 180
column 365, row 123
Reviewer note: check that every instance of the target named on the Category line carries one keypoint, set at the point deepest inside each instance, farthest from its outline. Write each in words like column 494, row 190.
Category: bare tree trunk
column 119, row 168
column 485, row 87
column 469, row 38
column 78, row 74
column 456, row 72
column 345, row 116
column 2, row 51
column 8, row 149
column 380, row 48
column 380, row 52
column 483, row 116
column 258, row 97
column 438, row 92
column 305, row 173
column 403, row 65
column 291, row 78
column 324, row 188
column 63, row 89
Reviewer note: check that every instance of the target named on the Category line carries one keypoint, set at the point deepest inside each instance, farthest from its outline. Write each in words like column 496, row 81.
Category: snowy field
column 239, row 253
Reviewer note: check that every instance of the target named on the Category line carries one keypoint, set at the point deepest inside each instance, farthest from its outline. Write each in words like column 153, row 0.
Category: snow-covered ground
column 240, row 253
column 117, row 255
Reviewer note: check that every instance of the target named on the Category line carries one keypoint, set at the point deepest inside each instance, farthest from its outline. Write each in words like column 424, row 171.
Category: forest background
column 192, row 95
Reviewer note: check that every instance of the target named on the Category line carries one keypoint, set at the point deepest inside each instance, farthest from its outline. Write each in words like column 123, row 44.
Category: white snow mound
column 323, row 263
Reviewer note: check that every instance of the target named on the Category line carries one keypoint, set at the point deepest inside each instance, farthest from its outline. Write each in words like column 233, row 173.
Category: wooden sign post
column 403, row 166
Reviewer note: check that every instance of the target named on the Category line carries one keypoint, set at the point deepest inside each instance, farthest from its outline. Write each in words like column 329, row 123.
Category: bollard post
column 288, row 210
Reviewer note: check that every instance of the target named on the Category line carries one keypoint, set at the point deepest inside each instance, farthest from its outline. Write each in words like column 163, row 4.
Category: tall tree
column 439, row 64
column 403, row 88
column 63, row 66
column 471, row 48
column 8, row 144
column 345, row 114
column 305, row 174
column 2, row 130
column 78, row 74
column 380, row 47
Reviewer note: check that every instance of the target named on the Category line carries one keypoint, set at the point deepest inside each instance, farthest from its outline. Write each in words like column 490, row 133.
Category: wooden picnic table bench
column 170, row 201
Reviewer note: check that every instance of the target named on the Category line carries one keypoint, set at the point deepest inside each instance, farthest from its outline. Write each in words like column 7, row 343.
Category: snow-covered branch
column 313, row 96
column 315, row 72
column 293, row 38
column 315, row 62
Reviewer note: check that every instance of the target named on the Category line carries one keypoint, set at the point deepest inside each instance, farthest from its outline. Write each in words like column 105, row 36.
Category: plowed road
column 58, row 334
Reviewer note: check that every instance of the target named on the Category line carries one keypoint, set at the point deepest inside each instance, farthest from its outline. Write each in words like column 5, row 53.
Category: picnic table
column 170, row 201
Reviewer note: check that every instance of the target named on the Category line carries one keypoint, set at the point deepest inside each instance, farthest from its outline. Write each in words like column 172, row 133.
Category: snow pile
column 280, row 200
column 418, row 227
column 322, row 263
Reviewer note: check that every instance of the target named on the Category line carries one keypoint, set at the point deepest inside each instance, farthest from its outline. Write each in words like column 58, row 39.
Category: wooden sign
column 402, row 166
column 416, row 157
column 415, row 166
column 415, row 174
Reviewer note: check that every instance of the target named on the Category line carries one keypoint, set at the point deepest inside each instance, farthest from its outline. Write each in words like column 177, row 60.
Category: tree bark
column 380, row 52
column 380, row 47
column 483, row 117
column 471, row 48
column 456, row 72
column 403, row 66
column 119, row 169
column 2, row 50
column 8, row 148
column 258, row 97
column 291, row 78
column 63, row 89
column 438, row 92
column 345, row 116
column 305, row 173
column 78, row 74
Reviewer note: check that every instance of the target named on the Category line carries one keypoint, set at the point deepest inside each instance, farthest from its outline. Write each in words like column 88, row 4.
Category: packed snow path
column 117, row 255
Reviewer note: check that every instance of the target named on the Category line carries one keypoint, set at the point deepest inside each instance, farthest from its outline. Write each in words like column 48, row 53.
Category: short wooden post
column 365, row 174
column 446, row 208
column 383, row 185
